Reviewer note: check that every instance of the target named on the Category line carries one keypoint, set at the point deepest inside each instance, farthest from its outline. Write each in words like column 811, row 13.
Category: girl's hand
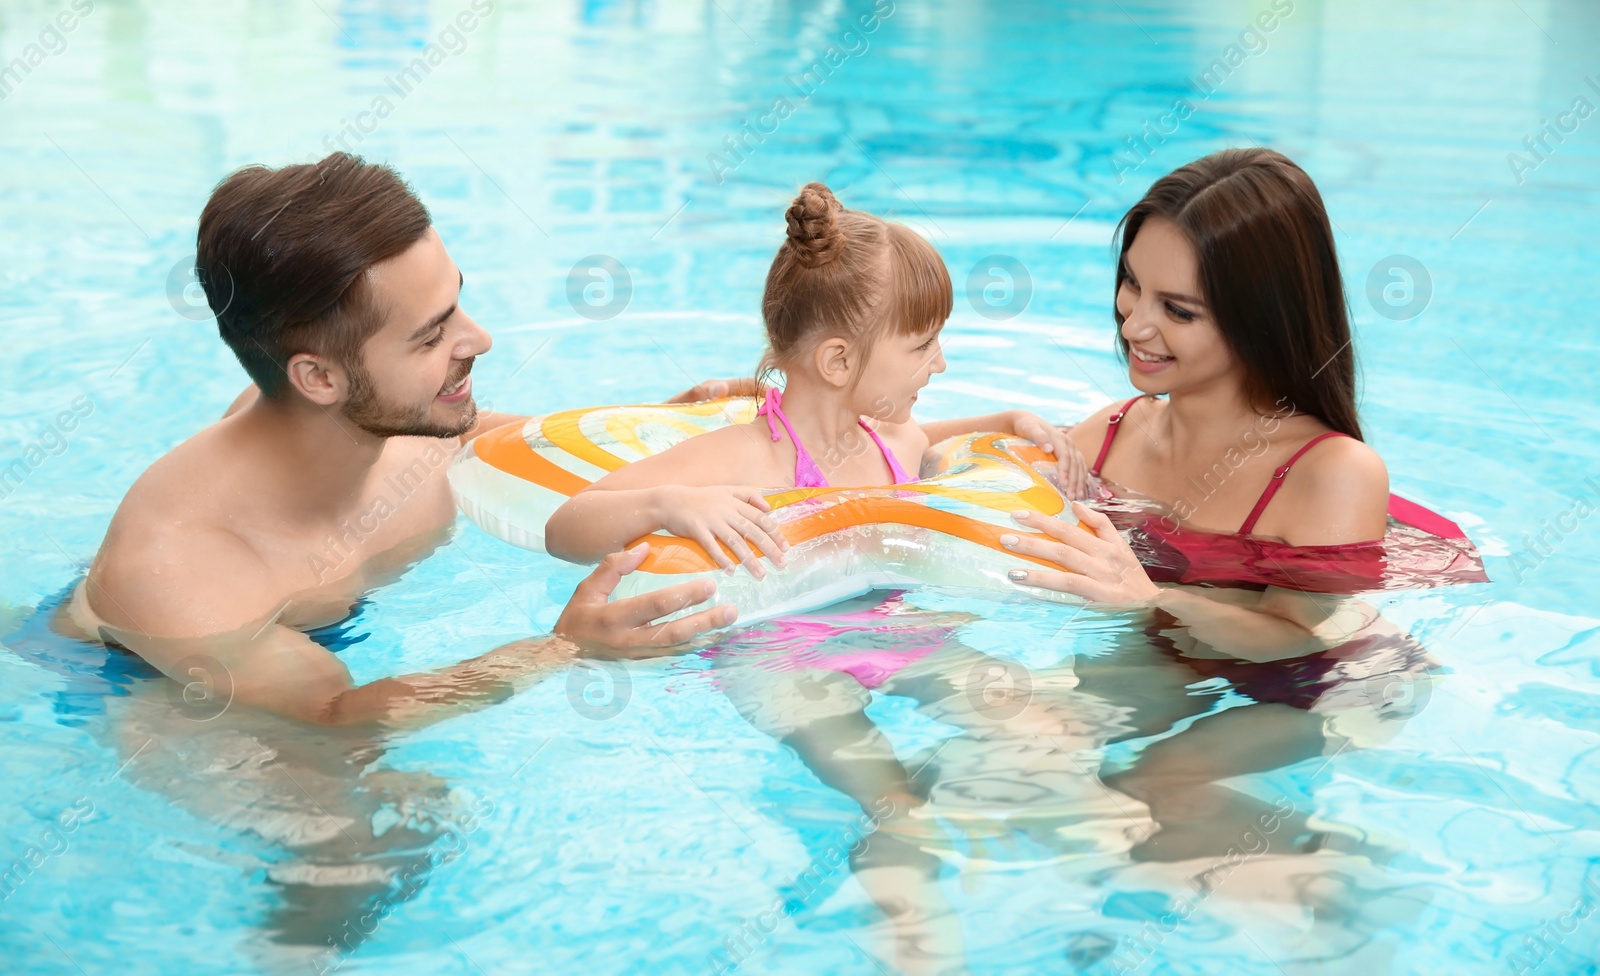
column 1072, row 471
column 730, row 514
column 1100, row 567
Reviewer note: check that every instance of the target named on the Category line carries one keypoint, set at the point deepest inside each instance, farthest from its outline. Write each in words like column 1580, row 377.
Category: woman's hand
column 729, row 514
column 1072, row 471
column 1099, row 566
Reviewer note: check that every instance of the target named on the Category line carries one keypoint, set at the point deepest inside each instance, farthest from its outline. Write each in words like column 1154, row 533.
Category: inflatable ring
column 942, row 530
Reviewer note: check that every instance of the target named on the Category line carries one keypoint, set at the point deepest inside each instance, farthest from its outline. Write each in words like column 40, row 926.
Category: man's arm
column 262, row 664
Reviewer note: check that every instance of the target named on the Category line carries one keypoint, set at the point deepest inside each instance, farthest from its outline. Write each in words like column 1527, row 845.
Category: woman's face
column 1173, row 343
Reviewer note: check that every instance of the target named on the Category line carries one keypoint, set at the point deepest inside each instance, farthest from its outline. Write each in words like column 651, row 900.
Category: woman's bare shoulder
column 1090, row 433
column 1338, row 492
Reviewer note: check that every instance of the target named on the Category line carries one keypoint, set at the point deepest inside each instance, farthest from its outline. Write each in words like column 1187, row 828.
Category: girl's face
column 1173, row 343
column 899, row 367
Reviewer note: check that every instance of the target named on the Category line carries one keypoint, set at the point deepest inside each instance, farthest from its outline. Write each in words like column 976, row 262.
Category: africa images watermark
column 852, row 44
column 1134, row 951
column 1537, row 148
column 53, row 841
column 1253, row 443
column 451, row 41
column 52, row 441
column 51, row 42
column 1538, row 946
column 754, row 931
column 399, row 488
column 1252, row 43
column 407, row 883
column 1537, row 548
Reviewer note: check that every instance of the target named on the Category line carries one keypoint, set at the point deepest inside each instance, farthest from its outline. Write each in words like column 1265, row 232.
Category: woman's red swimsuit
column 1420, row 549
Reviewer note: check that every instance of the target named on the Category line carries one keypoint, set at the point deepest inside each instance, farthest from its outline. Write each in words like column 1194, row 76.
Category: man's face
column 412, row 377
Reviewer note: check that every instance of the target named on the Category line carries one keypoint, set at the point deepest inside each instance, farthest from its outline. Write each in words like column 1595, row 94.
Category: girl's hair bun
column 815, row 237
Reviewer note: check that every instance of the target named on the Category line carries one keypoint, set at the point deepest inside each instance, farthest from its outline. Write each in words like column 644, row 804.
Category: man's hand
column 628, row 623
column 744, row 386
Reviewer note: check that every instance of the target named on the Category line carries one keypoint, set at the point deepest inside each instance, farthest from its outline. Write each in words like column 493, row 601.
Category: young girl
column 853, row 309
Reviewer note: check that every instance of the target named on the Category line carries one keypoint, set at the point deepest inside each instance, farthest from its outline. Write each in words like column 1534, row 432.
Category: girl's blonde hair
column 848, row 274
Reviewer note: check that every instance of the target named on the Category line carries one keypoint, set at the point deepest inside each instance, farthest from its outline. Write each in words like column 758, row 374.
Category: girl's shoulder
column 908, row 441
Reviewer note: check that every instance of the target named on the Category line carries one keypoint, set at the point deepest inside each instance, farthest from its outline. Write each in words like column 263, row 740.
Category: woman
column 1229, row 302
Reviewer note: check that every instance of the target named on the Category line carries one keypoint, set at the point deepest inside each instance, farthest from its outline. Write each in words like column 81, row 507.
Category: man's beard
column 380, row 419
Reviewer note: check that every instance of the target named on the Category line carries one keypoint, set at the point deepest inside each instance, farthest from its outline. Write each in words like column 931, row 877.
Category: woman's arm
column 1100, row 567
column 1283, row 624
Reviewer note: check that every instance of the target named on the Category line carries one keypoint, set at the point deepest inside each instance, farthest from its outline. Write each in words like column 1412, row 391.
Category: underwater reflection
column 311, row 813
column 1022, row 783
column 1021, row 763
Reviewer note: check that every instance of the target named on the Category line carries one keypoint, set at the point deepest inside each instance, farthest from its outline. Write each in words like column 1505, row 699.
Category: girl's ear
column 835, row 361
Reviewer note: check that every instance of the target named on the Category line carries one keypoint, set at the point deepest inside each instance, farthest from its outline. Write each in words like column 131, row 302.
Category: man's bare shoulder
column 166, row 581
column 171, row 564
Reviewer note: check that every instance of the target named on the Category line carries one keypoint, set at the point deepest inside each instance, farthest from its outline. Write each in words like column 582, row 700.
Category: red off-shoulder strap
column 1277, row 480
column 1111, row 434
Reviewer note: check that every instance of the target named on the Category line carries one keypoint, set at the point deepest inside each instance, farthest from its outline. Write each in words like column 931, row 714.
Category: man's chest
column 402, row 512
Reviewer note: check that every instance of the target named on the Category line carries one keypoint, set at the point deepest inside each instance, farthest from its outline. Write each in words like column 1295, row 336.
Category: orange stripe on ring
column 673, row 555
column 505, row 449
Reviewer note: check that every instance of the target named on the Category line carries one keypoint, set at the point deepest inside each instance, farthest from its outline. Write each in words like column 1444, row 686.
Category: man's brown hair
column 283, row 255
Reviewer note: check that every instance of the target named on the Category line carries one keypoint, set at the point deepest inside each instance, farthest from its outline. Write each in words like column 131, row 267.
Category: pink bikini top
column 806, row 472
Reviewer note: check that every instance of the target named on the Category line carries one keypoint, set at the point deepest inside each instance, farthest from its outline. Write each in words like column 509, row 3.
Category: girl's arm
column 1004, row 422
column 723, row 519
column 1072, row 471
column 684, row 490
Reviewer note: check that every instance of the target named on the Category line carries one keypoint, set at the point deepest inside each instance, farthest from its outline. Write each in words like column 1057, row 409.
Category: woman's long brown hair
column 1269, row 274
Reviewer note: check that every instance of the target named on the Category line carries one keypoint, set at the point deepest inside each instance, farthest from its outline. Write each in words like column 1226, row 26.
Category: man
column 332, row 288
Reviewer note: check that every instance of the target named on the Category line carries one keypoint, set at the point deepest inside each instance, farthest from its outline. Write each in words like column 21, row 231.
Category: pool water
column 611, row 177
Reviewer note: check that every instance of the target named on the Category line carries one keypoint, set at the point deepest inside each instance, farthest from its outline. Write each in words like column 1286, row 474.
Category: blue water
column 630, row 820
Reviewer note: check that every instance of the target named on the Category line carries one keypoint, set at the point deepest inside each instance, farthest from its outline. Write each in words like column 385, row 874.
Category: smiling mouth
column 455, row 387
column 1146, row 357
